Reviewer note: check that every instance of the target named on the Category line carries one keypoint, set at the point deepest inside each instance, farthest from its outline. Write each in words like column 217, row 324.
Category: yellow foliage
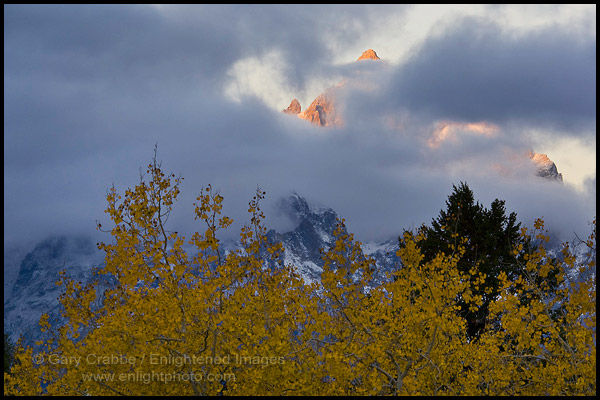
column 244, row 323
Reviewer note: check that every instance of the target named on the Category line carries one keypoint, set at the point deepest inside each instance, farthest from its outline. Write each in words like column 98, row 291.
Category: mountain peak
column 295, row 205
column 294, row 107
column 368, row 55
column 546, row 168
column 322, row 111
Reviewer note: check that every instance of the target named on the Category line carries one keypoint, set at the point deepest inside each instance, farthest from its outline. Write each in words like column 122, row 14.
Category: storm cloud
column 475, row 71
column 90, row 90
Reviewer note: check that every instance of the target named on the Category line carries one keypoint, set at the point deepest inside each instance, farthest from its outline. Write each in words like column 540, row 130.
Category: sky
column 461, row 93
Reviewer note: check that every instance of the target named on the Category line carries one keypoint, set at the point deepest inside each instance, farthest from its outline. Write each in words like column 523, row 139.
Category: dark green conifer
column 490, row 236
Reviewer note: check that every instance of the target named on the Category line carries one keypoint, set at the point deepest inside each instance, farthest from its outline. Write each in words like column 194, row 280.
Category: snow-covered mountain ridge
column 35, row 290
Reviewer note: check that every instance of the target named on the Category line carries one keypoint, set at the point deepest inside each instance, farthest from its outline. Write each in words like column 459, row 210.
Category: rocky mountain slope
column 35, row 290
column 314, row 232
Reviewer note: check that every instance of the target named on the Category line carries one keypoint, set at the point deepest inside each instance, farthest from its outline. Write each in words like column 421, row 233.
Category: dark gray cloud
column 86, row 73
column 478, row 71
column 89, row 91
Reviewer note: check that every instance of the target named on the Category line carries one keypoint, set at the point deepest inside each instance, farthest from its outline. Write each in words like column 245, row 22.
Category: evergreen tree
column 489, row 237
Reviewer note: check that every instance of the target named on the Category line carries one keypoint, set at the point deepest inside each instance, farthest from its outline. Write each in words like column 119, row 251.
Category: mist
column 90, row 90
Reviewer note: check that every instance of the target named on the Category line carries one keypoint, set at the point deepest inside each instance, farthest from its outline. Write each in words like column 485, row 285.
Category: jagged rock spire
column 322, row 111
column 294, row 107
column 546, row 168
column 368, row 55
